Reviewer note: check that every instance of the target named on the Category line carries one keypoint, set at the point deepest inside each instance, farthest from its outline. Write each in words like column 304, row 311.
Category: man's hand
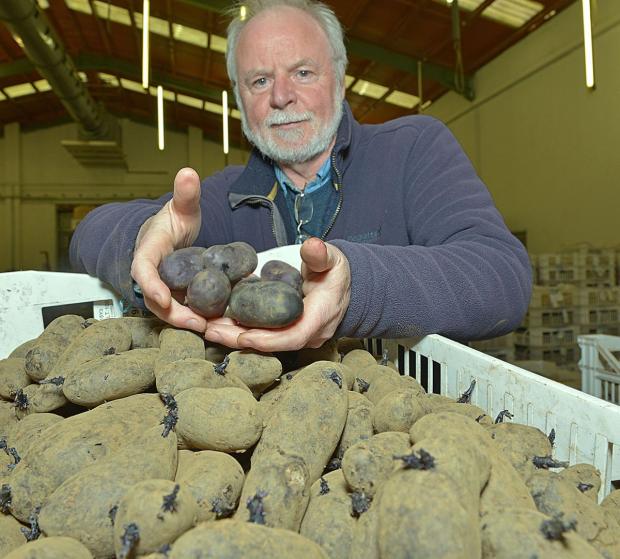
column 175, row 226
column 327, row 290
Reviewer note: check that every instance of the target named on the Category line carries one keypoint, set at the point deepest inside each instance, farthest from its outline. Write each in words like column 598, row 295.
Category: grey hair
column 322, row 13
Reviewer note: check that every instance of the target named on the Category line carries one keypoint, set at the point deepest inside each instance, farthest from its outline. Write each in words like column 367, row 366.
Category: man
column 415, row 244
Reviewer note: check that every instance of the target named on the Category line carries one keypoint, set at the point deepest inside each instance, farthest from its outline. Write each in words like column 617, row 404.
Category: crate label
column 103, row 309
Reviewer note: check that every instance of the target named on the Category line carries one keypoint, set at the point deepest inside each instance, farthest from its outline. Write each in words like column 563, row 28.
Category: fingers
column 177, row 315
column 145, row 273
column 314, row 255
column 186, row 195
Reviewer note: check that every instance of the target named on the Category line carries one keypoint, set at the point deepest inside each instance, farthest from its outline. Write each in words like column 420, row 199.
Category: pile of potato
column 128, row 438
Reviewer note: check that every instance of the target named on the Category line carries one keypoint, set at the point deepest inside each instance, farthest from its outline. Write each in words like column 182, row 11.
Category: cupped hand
column 175, row 226
column 327, row 290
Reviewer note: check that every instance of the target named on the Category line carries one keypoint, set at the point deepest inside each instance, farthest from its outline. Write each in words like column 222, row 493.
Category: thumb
column 317, row 255
column 186, row 195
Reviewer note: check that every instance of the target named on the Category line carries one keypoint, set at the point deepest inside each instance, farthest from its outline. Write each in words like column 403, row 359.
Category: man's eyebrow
column 304, row 62
column 255, row 72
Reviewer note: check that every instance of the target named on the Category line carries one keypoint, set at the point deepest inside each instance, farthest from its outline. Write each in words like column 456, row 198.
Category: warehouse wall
column 545, row 145
column 38, row 176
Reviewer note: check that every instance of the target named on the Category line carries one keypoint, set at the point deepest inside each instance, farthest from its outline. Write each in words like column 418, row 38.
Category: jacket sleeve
column 104, row 241
column 463, row 274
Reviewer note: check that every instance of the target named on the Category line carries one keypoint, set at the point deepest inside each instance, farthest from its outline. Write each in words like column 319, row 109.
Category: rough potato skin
column 504, row 484
column 359, row 359
column 365, row 544
column 159, row 524
column 29, row 429
column 328, row 520
column 42, row 398
column 178, row 268
column 431, row 522
column 230, row 539
column 51, row 548
column 12, row 376
column 258, row 371
column 317, row 399
column 585, row 474
column 182, row 374
column 398, row 411
column 175, row 344
column 77, row 442
column 611, row 504
column 265, row 304
column 513, row 533
column 236, row 260
column 111, row 377
column 519, row 444
column 359, row 422
column 50, row 345
column 11, row 536
column 80, row 507
column 103, row 337
column 284, row 482
column 277, row 270
column 22, row 349
column 208, row 293
column 225, row 419
column 384, row 380
column 553, row 496
column 215, row 480
column 367, row 464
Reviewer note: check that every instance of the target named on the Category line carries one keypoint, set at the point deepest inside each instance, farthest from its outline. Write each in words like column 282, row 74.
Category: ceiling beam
column 121, row 68
column 376, row 53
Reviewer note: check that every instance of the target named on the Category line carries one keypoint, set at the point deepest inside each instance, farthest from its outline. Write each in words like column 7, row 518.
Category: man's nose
column 282, row 92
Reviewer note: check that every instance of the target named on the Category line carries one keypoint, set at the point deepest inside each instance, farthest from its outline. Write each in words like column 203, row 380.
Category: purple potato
column 178, row 268
column 278, row 270
column 236, row 260
column 265, row 304
column 208, row 293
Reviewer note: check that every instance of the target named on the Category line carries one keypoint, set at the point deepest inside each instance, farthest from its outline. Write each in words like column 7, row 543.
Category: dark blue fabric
column 427, row 248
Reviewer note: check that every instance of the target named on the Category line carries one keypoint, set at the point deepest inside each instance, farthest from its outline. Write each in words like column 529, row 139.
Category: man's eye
column 304, row 73
column 259, row 82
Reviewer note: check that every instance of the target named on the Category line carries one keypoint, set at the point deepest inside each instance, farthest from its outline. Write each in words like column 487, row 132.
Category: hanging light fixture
column 225, row 121
column 145, row 42
column 587, row 43
column 160, row 117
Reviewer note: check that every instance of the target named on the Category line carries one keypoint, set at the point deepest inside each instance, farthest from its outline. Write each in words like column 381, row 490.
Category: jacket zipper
column 340, row 197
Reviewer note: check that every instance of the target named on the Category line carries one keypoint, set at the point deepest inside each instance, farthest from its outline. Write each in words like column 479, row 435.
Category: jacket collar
column 258, row 176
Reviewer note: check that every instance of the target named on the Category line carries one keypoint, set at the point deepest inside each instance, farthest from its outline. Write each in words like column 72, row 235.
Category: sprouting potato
column 277, row 270
column 179, row 267
column 208, row 293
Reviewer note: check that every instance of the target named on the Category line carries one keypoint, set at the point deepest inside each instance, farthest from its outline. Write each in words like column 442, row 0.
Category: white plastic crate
column 28, row 299
column 587, row 428
column 600, row 366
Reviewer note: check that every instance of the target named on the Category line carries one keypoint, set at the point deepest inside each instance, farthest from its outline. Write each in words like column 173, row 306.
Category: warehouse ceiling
column 400, row 51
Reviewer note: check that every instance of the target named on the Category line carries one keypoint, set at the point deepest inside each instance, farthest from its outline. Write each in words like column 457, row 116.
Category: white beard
column 315, row 145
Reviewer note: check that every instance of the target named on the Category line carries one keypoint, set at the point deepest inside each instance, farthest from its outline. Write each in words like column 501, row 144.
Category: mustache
column 279, row 117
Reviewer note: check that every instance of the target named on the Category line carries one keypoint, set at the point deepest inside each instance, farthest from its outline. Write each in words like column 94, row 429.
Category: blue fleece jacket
column 428, row 250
